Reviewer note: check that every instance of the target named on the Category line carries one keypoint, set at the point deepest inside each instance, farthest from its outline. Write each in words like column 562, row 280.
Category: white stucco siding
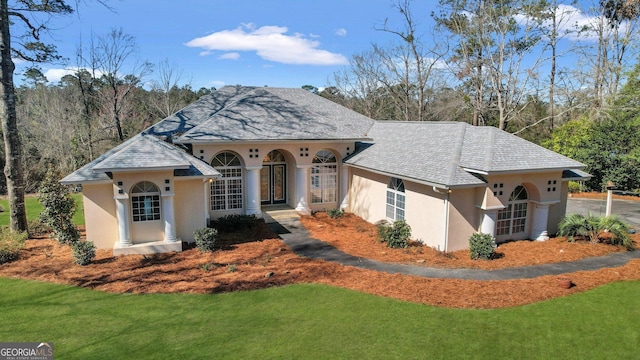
column 425, row 213
column 424, row 209
column 464, row 218
column 559, row 210
column 367, row 196
column 189, row 207
column 100, row 215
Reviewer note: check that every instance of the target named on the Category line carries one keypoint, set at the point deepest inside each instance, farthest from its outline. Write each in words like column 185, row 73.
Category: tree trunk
column 13, row 158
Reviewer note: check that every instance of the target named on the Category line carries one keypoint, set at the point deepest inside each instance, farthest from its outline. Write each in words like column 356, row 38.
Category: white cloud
column 341, row 32
column 230, row 56
column 270, row 43
column 55, row 75
column 573, row 23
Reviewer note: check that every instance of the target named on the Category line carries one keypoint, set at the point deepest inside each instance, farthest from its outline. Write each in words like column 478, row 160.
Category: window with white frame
column 513, row 218
column 226, row 192
column 395, row 199
column 324, row 177
column 145, row 202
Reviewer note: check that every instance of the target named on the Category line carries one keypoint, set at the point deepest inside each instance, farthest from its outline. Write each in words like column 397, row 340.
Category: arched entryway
column 273, row 179
column 512, row 220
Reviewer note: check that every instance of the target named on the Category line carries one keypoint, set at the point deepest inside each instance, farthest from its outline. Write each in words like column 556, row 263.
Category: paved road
column 627, row 210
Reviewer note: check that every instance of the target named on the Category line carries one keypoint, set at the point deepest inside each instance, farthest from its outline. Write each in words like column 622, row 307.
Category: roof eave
column 138, row 169
column 417, row 181
column 266, row 141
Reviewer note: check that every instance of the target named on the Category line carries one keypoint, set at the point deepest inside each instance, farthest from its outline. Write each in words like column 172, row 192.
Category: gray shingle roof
column 439, row 152
column 141, row 152
column 266, row 114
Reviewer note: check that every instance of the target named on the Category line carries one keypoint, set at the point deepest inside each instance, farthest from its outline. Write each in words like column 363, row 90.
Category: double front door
column 273, row 184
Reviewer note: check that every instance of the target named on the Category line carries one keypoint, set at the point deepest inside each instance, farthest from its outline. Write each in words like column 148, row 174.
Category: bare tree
column 116, row 49
column 167, row 97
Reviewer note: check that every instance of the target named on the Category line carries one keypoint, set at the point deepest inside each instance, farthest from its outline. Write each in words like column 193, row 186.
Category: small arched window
column 226, row 192
column 145, row 202
column 324, row 177
column 395, row 199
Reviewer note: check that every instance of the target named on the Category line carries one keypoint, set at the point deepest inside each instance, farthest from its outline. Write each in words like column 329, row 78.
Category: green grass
column 34, row 208
column 315, row 322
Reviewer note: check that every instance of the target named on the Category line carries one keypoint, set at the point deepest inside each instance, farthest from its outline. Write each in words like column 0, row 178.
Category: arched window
column 513, row 218
column 226, row 192
column 395, row 199
column 324, row 177
column 145, row 202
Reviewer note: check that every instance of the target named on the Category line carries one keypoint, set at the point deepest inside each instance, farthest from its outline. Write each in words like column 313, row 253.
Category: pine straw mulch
column 257, row 259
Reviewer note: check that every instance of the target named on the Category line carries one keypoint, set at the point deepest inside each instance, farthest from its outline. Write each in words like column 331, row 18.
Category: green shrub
column 83, row 252
column 574, row 187
column 482, row 246
column 58, row 208
column 396, row 235
column 38, row 228
column 10, row 244
column 335, row 213
column 234, row 222
column 205, row 239
column 68, row 235
column 596, row 229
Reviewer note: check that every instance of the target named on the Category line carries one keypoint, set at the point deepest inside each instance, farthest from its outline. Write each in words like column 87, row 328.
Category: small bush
column 396, row 235
column 335, row 213
column 574, row 187
column 68, row 235
column 10, row 244
column 482, row 246
column 235, row 222
column 205, row 239
column 83, row 252
column 38, row 228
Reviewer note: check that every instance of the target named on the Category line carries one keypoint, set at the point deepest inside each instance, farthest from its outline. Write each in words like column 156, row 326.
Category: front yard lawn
column 34, row 208
column 314, row 322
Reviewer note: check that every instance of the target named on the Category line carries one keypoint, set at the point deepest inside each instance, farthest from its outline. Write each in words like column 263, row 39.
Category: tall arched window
column 226, row 192
column 395, row 199
column 145, row 202
column 324, row 177
column 513, row 218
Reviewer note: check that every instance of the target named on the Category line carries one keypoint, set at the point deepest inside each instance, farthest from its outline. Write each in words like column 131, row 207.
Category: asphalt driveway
column 627, row 210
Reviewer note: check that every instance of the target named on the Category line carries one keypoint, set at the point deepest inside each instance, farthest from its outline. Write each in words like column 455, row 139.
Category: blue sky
column 278, row 43
column 283, row 43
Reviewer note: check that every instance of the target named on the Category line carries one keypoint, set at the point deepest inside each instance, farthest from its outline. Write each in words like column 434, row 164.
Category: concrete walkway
column 286, row 224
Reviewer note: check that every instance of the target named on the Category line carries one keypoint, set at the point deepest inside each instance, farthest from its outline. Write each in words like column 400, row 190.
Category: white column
column 207, row 199
column 540, row 219
column 122, row 215
column 489, row 217
column 253, row 191
column 609, row 202
column 344, row 187
column 169, row 218
column 302, row 189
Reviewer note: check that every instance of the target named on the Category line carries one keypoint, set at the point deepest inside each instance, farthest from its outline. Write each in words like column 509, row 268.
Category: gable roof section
column 141, row 153
column 451, row 154
column 269, row 114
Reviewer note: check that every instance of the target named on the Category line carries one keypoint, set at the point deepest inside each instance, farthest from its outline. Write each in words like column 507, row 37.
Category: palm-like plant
column 594, row 228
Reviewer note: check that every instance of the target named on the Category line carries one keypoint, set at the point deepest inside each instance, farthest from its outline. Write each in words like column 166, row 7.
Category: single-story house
column 241, row 150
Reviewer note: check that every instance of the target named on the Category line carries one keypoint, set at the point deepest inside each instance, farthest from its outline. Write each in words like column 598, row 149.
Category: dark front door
column 273, row 184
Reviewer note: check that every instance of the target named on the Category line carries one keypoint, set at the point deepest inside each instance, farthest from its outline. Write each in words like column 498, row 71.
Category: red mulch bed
column 257, row 259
